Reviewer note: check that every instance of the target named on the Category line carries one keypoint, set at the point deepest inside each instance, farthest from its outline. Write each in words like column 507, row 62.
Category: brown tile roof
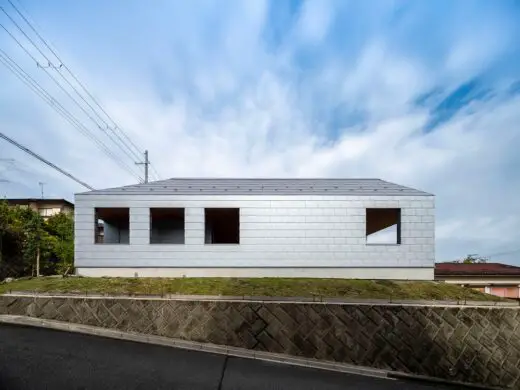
column 25, row 201
column 475, row 269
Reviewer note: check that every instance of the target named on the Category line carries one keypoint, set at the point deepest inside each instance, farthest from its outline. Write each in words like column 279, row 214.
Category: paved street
column 34, row 358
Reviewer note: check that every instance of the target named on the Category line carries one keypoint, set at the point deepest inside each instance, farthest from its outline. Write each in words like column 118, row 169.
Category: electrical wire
column 157, row 177
column 54, row 52
column 502, row 253
column 58, row 83
column 12, row 66
column 49, row 99
column 47, row 162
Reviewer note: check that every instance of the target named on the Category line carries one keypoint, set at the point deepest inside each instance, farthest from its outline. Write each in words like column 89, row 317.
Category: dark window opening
column 383, row 226
column 222, row 226
column 166, row 226
column 112, row 225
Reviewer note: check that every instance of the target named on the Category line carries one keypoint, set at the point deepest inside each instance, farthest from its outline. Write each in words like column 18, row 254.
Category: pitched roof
column 476, row 269
column 252, row 186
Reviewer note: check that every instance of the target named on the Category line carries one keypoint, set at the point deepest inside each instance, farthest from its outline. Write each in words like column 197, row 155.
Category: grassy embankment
column 330, row 288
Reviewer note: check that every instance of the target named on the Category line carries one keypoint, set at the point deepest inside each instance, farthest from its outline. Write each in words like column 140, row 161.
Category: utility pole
column 41, row 183
column 146, row 163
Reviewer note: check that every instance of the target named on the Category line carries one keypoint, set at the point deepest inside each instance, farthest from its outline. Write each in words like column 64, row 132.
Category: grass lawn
column 301, row 287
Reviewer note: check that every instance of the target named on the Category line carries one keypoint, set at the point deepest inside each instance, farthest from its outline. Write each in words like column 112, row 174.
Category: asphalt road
column 35, row 358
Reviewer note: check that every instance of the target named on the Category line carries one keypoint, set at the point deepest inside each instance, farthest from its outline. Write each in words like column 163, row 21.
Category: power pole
column 41, row 183
column 146, row 163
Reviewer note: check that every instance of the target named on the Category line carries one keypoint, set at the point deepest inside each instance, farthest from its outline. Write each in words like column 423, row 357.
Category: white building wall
column 290, row 233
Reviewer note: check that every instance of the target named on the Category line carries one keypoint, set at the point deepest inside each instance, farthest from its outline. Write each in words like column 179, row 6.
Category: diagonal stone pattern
column 470, row 344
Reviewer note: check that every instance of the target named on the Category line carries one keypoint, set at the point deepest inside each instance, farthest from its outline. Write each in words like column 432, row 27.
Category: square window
column 222, row 226
column 166, row 226
column 112, row 225
column 383, row 226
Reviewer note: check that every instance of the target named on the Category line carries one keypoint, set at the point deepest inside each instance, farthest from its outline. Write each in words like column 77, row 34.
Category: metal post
column 146, row 163
column 41, row 187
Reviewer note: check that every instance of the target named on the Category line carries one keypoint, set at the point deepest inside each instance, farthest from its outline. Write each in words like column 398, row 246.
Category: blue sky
column 425, row 94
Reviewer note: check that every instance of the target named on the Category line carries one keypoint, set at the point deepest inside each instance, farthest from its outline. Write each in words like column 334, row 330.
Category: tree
column 16, row 238
column 473, row 259
column 36, row 240
column 4, row 211
column 61, row 229
column 25, row 238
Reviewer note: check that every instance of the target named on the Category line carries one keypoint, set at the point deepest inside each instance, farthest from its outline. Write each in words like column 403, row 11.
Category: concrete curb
column 428, row 379
column 191, row 345
column 316, row 300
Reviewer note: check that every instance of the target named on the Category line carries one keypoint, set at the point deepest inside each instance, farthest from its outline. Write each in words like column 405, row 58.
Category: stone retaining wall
column 468, row 344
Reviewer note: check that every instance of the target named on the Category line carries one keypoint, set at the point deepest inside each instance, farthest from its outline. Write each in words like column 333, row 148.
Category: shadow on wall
column 383, row 226
column 167, row 225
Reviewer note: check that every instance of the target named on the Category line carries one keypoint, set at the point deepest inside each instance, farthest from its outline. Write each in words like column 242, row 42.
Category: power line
column 35, row 155
column 54, row 52
column 503, row 253
column 155, row 172
column 115, row 127
column 18, row 168
column 99, row 142
column 11, row 65
column 57, row 82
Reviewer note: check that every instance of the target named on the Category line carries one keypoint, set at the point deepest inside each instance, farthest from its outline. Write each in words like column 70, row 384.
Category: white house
column 331, row 228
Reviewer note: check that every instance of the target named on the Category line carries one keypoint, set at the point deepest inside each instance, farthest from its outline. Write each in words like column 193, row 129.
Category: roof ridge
column 266, row 178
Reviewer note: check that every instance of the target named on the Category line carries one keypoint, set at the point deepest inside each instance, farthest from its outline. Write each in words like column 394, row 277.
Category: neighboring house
column 492, row 278
column 45, row 207
column 333, row 228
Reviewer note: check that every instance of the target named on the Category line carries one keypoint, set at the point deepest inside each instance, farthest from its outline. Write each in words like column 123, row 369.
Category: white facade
column 280, row 235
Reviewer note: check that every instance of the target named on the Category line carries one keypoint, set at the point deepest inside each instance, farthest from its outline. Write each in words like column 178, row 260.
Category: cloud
column 253, row 89
column 314, row 20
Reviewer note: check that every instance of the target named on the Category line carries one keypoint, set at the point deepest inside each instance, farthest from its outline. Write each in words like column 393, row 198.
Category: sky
column 424, row 94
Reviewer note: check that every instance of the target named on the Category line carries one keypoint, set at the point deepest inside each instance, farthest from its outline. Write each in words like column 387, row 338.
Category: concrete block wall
column 478, row 345
column 291, row 232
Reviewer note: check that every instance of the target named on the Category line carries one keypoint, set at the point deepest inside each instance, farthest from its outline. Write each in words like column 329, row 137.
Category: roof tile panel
column 259, row 186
